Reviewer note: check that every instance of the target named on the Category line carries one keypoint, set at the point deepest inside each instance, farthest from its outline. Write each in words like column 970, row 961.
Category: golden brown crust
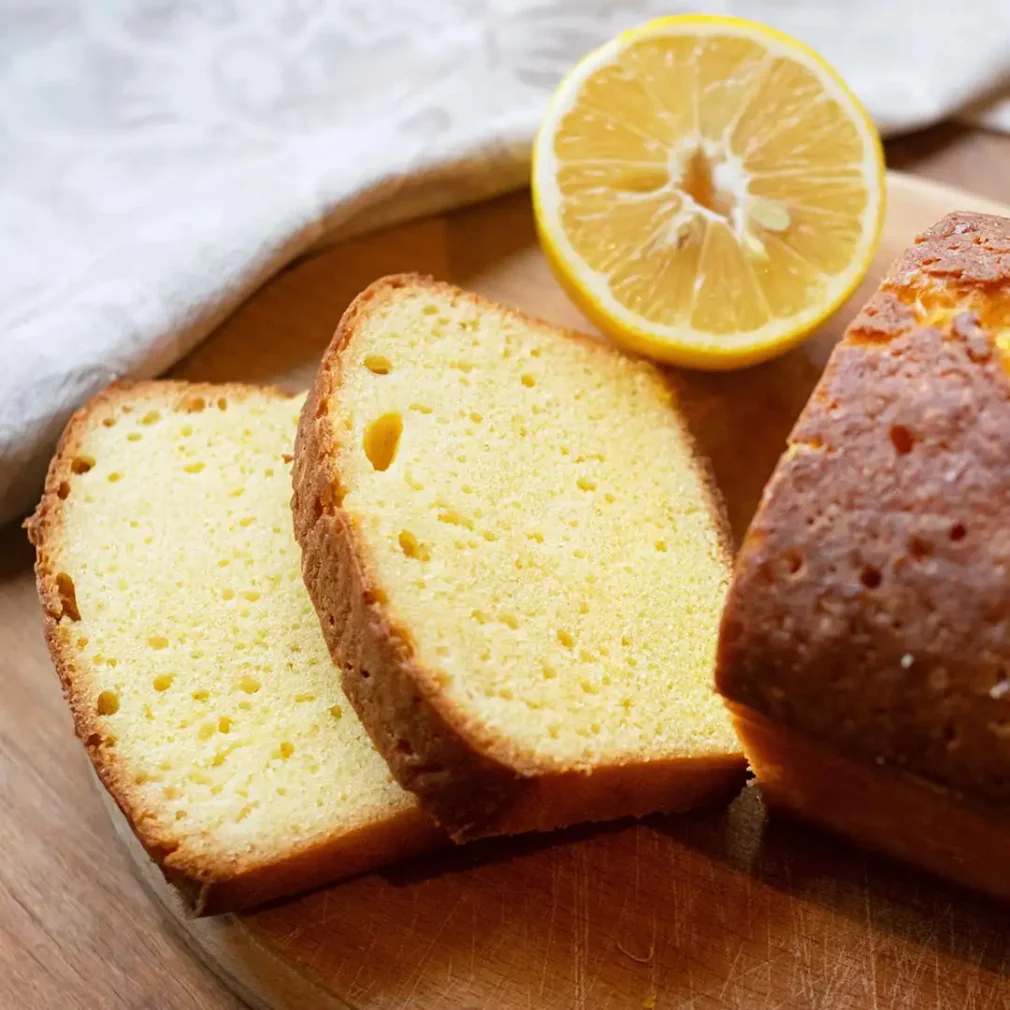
column 869, row 606
column 881, row 809
column 415, row 725
column 209, row 887
column 210, row 891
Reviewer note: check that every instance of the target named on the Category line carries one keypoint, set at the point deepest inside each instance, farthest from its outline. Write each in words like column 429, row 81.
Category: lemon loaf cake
column 865, row 648
column 518, row 560
column 189, row 652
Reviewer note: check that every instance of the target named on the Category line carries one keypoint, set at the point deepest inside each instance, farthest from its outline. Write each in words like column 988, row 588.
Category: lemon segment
column 707, row 190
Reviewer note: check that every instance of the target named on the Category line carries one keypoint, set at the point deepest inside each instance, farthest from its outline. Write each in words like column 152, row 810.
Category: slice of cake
column 187, row 646
column 865, row 647
column 519, row 561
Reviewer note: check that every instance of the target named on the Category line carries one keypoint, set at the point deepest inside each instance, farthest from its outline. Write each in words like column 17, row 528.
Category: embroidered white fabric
column 160, row 158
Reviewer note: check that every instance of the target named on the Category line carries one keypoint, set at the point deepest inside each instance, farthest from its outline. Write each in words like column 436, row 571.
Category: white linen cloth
column 160, row 158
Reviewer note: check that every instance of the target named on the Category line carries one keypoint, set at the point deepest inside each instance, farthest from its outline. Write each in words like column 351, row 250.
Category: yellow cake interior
column 197, row 646
column 533, row 510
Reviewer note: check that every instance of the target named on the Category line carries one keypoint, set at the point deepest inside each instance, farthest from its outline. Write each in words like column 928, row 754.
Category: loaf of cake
column 190, row 654
column 518, row 560
column 865, row 646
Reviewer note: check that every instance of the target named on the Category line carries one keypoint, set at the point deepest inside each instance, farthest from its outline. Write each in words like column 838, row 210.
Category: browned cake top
column 871, row 606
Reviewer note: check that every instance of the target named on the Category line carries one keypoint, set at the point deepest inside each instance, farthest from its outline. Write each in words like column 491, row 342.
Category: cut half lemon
column 707, row 190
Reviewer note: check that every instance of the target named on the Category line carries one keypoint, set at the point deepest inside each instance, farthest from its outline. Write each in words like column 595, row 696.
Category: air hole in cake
column 793, row 562
column 378, row 364
column 412, row 548
column 108, row 703
column 193, row 404
column 902, row 439
column 382, row 439
column 68, row 597
column 82, row 464
column 163, row 681
column 528, row 380
column 222, row 403
column 151, row 417
column 63, row 491
column 109, row 422
column 957, row 532
column 919, row 548
column 870, row 577
column 455, row 518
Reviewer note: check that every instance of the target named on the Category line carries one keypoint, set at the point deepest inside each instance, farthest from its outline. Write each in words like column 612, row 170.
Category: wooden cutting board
column 721, row 908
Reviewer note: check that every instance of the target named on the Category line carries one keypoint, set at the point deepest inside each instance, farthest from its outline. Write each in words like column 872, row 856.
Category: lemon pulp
column 707, row 190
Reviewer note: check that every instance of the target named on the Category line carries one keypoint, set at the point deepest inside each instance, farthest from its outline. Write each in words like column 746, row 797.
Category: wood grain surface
column 716, row 909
